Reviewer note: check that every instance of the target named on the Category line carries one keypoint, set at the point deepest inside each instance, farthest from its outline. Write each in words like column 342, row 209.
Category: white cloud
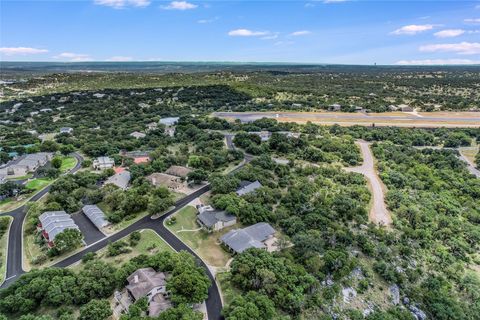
column 119, row 59
column 119, row 4
column 413, row 29
column 436, row 62
column 203, row 21
column 270, row 37
column 13, row 51
column 460, row 48
column 179, row 5
column 247, row 33
column 334, row 1
column 73, row 57
column 300, row 33
column 449, row 33
column 472, row 21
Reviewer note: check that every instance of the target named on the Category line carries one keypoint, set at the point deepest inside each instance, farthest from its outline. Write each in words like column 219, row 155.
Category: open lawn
column 150, row 243
column 37, row 184
column 205, row 244
column 68, row 163
column 5, row 223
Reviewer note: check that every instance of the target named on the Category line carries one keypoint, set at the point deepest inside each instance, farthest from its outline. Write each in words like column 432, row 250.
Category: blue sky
column 330, row 31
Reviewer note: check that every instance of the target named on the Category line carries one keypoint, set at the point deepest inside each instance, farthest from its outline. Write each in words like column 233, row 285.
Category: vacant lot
column 205, row 244
column 149, row 244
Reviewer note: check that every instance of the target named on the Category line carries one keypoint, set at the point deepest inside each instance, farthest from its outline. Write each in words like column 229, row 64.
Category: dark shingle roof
column 247, row 187
column 253, row 236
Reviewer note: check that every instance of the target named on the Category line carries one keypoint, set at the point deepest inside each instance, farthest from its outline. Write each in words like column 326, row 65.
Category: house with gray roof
column 96, row 215
column 169, row 121
column 121, row 179
column 54, row 222
column 103, row 163
column 247, row 187
column 138, row 135
column 211, row 219
column 66, row 130
column 25, row 164
column 146, row 282
column 254, row 236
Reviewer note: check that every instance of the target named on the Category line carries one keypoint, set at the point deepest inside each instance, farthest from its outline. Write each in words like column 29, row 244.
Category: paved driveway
column 90, row 232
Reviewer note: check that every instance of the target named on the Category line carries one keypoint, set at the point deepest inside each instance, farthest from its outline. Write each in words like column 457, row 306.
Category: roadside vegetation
column 67, row 290
column 4, row 225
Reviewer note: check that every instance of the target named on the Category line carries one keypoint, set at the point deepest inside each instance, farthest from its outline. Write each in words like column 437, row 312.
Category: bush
column 135, row 238
column 117, row 248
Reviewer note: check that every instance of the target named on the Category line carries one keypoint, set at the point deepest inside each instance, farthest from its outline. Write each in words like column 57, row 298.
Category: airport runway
column 399, row 119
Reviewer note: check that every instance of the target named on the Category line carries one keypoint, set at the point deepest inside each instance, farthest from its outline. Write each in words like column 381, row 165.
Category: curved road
column 15, row 234
column 14, row 264
column 379, row 212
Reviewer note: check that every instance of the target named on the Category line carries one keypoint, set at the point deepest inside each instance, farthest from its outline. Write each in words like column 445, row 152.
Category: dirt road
column 378, row 212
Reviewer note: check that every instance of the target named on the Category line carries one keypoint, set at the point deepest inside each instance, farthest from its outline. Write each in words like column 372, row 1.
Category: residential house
column 165, row 180
column 66, row 130
column 290, row 134
column 264, row 135
column 51, row 223
column 169, row 124
column 254, row 236
column 392, row 107
column 24, row 165
column 46, row 110
column 170, row 131
column 211, row 219
column 138, row 135
column 170, row 121
column 148, row 283
column 178, row 171
column 335, row 107
column 121, row 179
column 405, row 108
column 152, row 126
column 103, row 163
column 96, row 215
column 247, row 187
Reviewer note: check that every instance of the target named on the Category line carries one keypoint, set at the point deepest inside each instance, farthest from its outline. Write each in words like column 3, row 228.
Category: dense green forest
column 285, row 87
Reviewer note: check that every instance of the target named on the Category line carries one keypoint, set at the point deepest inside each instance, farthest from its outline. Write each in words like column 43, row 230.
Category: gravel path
column 470, row 165
column 378, row 213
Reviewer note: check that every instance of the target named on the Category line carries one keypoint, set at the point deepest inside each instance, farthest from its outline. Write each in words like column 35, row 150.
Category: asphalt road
column 14, row 263
column 15, row 235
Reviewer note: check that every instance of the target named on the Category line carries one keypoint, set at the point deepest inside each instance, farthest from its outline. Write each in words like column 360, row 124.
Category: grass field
column 68, row 163
column 205, row 244
column 3, row 249
column 37, row 184
column 150, row 243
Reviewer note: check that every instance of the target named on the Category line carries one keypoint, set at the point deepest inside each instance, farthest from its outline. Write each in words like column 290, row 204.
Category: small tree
column 66, row 241
column 95, row 310
column 57, row 162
